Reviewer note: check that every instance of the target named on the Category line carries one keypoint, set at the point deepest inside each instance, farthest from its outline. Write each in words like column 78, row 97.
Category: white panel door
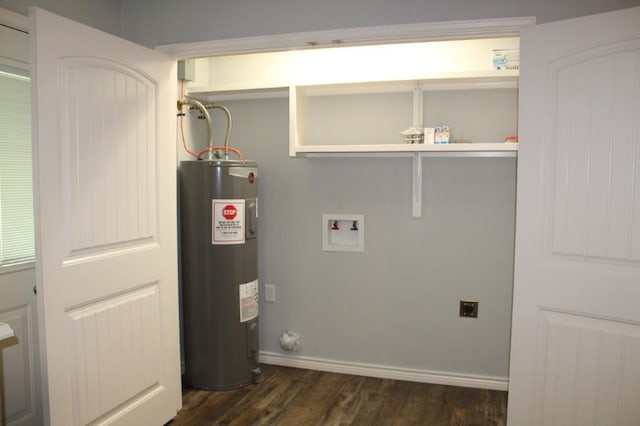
column 575, row 354
column 104, row 164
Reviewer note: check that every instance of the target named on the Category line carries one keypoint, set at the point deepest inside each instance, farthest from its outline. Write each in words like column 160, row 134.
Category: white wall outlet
column 269, row 293
column 343, row 232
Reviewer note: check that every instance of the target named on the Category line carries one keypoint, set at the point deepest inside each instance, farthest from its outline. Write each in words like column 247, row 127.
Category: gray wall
column 396, row 304
column 153, row 22
column 101, row 14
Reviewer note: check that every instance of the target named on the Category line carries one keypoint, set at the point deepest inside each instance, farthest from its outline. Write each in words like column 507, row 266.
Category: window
column 16, row 198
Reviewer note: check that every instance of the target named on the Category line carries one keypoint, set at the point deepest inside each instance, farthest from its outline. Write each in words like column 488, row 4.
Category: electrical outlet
column 468, row 309
column 269, row 293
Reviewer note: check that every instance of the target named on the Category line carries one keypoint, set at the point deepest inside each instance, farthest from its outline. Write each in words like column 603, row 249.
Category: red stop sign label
column 229, row 212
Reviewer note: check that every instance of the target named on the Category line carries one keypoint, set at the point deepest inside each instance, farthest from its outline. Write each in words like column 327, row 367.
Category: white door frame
column 420, row 32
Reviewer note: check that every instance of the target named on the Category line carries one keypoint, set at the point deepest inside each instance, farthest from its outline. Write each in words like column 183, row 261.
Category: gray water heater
column 219, row 229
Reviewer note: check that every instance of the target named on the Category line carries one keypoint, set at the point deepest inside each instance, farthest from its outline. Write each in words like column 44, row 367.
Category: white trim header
column 428, row 31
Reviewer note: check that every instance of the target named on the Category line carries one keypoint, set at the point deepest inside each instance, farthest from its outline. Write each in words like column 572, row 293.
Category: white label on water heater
column 228, row 222
column 248, row 301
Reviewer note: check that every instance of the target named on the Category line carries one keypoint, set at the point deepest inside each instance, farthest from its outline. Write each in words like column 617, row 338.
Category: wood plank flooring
column 290, row 396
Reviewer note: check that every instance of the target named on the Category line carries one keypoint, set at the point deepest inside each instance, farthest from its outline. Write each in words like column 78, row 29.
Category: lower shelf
column 416, row 151
column 464, row 149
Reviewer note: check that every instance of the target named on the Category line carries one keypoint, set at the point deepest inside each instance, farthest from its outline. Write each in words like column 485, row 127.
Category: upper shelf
column 504, row 79
column 306, row 75
column 366, row 118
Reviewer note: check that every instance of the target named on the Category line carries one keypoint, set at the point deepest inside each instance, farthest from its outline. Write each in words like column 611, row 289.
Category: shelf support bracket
column 418, row 105
column 416, row 193
column 416, row 190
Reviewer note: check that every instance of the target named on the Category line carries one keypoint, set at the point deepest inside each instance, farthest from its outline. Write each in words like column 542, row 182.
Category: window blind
column 16, row 198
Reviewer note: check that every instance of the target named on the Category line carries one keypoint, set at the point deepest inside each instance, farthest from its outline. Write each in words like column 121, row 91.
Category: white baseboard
column 386, row 372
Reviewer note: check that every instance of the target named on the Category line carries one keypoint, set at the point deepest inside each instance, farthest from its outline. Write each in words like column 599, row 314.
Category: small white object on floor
column 290, row 341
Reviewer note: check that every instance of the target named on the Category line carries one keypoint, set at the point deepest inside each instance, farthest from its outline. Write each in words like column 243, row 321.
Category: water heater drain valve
column 290, row 341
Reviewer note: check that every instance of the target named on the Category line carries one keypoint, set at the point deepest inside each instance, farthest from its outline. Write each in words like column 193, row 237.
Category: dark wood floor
column 291, row 396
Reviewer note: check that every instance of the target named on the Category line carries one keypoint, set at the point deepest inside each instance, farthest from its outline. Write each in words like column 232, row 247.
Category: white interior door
column 104, row 164
column 575, row 354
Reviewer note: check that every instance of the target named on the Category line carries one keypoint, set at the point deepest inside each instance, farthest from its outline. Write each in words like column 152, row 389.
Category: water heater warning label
column 228, row 221
column 248, row 301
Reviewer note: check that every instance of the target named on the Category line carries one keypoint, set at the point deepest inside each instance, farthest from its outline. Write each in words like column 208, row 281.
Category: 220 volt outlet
column 468, row 309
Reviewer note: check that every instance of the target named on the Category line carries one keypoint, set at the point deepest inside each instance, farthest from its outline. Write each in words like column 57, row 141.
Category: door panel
column 109, row 156
column 591, row 367
column 105, row 225
column 19, row 367
column 116, row 351
column 575, row 354
column 596, row 207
